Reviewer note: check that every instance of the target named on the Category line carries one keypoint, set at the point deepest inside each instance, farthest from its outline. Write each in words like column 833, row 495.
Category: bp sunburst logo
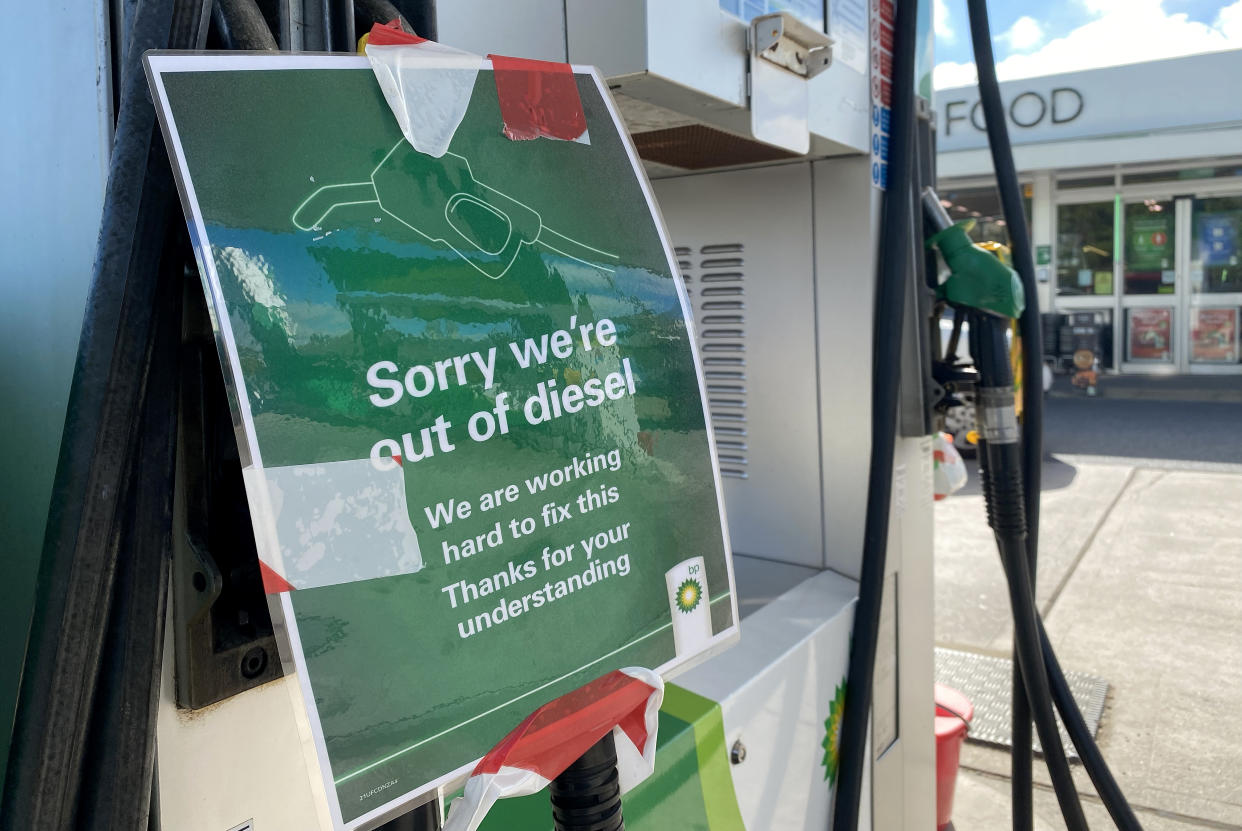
column 689, row 595
column 832, row 734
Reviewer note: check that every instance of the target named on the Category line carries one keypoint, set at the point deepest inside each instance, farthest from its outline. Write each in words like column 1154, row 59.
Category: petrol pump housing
column 762, row 138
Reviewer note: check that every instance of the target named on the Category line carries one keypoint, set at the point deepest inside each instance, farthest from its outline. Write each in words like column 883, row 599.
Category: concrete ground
column 1140, row 583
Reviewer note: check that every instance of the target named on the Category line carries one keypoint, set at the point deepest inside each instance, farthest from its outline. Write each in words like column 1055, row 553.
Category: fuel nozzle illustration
column 442, row 201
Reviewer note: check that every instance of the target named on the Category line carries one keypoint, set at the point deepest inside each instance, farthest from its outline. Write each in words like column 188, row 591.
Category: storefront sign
column 1026, row 109
column 1214, row 336
column 1111, row 101
column 1218, row 238
column 473, row 429
column 1149, row 242
column 1149, row 333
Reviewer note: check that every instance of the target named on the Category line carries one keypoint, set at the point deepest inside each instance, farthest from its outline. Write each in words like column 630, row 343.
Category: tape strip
column 539, row 98
column 427, row 85
column 391, row 34
column 625, row 702
column 273, row 583
column 327, row 523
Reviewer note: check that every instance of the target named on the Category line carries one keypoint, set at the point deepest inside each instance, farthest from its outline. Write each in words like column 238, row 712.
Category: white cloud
column 942, row 26
column 1229, row 21
column 1123, row 31
column 950, row 74
column 1024, row 34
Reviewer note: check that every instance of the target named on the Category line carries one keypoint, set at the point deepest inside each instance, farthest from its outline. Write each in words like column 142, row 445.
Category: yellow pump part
column 1015, row 342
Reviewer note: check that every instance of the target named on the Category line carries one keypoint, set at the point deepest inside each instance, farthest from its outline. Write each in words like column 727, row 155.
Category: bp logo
column 689, row 594
column 832, row 734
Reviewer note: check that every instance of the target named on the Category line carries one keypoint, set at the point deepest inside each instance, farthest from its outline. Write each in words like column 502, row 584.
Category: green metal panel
column 53, row 161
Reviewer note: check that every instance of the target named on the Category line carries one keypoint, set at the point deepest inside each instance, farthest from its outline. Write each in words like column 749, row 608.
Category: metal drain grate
column 987, row 682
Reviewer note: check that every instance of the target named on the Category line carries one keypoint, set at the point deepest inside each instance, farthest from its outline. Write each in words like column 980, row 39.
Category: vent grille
column 715, row 282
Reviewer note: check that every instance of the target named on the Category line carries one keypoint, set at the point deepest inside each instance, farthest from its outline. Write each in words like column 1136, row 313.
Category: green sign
column 1043, row 254
column 1149, row 242
column 472, row 427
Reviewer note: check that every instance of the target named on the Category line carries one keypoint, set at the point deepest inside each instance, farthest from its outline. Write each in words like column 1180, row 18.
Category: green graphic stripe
column 719, row 798
column 448, row 730
column 684, row 705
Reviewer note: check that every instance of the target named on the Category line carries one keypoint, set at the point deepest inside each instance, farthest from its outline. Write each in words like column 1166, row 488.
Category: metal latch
column 790, row 43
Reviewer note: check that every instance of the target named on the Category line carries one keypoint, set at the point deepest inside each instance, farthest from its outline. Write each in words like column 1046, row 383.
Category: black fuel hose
column 1032, row 371
column 586, row 796
column 241, row 25
column 1032, row 454
column 1000, row 456
column 894, row 269
column 1101, row 777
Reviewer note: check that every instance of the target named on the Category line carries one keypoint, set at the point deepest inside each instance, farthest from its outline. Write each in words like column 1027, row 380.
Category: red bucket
column 953, row 714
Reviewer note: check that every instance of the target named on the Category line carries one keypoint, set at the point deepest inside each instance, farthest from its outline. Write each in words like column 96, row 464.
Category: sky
column 1054, row 36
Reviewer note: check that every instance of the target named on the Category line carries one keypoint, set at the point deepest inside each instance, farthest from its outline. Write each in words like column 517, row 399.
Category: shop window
column 1065, row 333
column 1184, row 174
column 1103, row 180
column 1150, row 238
column 1085, row 249
column 1216, row 228
column 983, row 205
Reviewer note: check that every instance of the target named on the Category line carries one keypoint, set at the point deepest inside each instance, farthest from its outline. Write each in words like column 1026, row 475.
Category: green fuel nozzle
column 977, row 278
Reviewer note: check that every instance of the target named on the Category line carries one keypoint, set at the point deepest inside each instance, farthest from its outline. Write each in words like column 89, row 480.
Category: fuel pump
column 989, row 295
column 777, row 244
column 154, row 513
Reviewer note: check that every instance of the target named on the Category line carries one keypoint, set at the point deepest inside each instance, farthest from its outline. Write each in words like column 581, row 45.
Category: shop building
column 1133, row 179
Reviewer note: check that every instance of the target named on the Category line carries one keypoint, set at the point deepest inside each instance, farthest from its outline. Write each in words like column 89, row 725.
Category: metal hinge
column 787, row 42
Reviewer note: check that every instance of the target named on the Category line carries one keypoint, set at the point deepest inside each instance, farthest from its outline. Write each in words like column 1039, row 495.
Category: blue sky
column 1065, row 35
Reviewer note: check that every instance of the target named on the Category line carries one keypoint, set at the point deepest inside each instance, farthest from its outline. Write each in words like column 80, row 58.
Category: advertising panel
column 469, row 410
column 1149, row 334
column 1218, row 238
column 1214, row 336
column 1149, row 243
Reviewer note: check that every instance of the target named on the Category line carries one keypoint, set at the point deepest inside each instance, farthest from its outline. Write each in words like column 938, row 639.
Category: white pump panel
column 689, row 62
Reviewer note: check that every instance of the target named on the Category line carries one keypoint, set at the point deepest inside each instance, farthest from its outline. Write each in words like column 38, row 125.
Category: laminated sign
column 470, row 415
